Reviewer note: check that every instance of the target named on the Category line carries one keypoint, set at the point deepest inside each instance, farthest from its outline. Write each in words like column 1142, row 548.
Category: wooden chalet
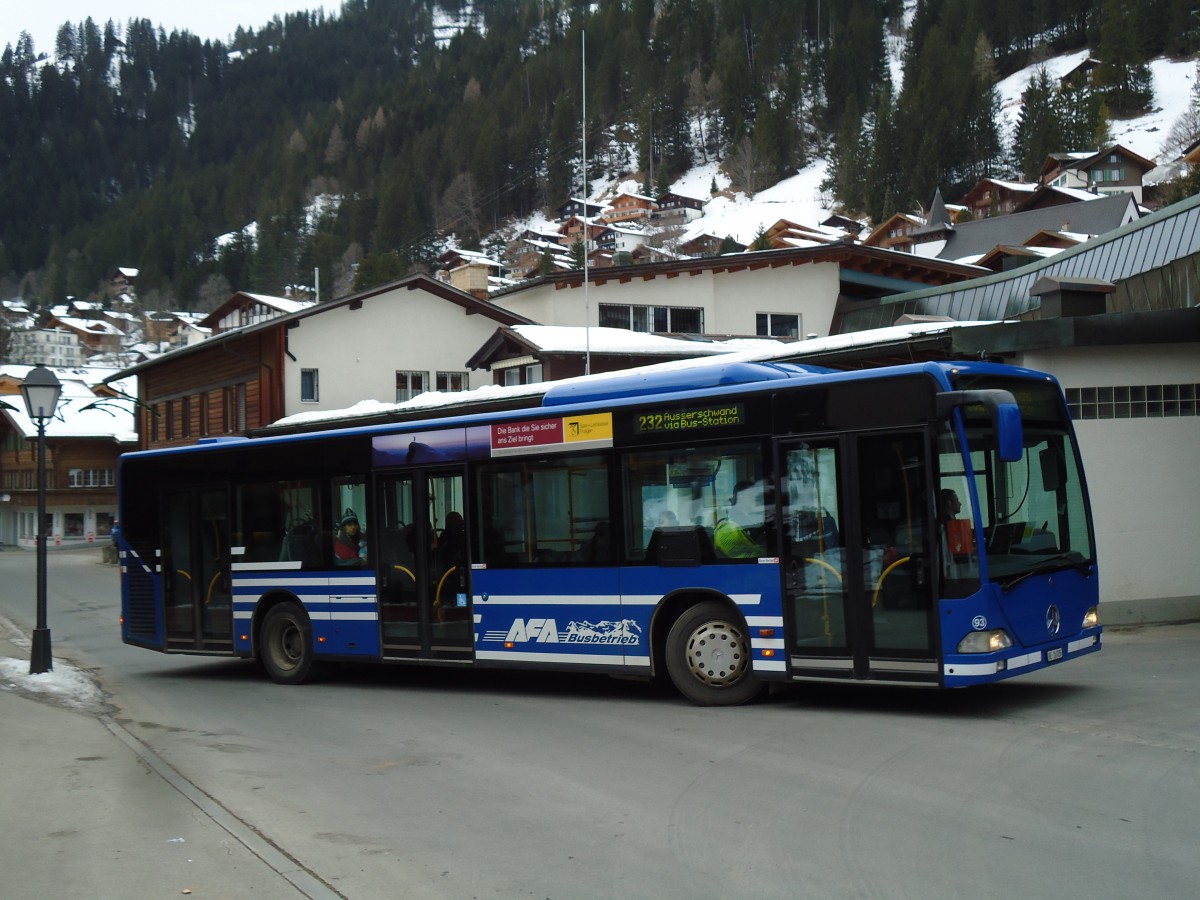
column 579, row 207
column 895, row 233
column 1110, row 170
column 676, row 209
column 629, row 207
column 993, row 197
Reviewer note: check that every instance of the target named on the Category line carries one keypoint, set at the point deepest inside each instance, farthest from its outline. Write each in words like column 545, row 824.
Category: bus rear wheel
column 708, row 656
column 287, row 649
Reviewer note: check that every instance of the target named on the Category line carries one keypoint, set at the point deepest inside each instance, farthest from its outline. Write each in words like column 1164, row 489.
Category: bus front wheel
column 708, row 656
column 287, row 650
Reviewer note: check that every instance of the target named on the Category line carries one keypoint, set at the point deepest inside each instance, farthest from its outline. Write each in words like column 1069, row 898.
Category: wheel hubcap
column 288, row 645
column 717, row 654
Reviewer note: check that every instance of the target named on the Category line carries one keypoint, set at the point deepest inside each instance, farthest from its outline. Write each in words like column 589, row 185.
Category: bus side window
column 275, row 521
column 546, row 511
column 718, row 489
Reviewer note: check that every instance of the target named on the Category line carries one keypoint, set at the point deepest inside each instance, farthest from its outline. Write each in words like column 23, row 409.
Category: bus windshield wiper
column 1051, row 564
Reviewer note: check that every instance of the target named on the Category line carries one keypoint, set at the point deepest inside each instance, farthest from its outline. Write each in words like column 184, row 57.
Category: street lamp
column 41, row 390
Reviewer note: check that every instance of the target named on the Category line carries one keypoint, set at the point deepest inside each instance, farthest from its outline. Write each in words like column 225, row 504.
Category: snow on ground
column 1143, row 135
column 64, row 683
column 797, row 199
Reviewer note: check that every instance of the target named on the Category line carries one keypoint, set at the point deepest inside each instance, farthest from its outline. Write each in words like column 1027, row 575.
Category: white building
column 53, row 347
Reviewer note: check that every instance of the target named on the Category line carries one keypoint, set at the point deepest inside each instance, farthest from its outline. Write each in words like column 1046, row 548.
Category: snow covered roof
column 93, row 326
column 622, row 341
column 81, row 413
column 441, row 403
column 280, row 303
column 635, row 195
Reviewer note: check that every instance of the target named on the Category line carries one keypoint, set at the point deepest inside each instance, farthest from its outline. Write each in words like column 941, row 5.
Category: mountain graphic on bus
column 626, row 631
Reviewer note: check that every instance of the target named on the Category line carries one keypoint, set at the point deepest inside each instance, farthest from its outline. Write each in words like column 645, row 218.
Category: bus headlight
column 1091, row 618
column 985, row 641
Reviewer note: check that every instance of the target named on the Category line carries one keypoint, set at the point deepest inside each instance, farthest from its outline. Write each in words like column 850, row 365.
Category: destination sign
column 683, row 420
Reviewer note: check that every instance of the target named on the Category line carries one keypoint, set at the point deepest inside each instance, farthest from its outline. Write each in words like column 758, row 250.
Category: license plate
column 1054, row 655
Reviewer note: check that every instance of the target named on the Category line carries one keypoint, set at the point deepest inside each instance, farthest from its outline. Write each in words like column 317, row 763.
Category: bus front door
column 196, row 587
column 424, row 570
column 858, row 582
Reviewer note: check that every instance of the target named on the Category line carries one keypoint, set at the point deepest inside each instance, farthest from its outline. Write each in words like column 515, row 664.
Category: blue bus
column 728, row 526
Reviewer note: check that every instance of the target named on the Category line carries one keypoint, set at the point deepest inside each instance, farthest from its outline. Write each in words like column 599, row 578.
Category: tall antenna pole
column 587, row 309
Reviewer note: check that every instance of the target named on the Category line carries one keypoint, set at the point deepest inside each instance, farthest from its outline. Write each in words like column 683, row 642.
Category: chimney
column 1064, row 298
column 471, row 277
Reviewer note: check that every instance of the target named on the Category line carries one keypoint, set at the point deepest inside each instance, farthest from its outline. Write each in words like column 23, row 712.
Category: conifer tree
column 1039, row 131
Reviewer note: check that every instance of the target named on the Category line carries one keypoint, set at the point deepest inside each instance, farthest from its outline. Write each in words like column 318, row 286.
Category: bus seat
column 815, row 527
column 680, row 546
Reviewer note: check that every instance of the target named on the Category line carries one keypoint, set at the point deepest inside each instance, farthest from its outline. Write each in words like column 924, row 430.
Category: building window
column 235, row 408
column 786, row 325
column 309, row 386
column 409, row 385
column 185, row 419
column 662, row 319
column 1136, row 401
column 530, row 374
column 92, row 478
column 451, row 381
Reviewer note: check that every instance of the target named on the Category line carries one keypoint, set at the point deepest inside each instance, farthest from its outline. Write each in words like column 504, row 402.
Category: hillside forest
column 358, row 140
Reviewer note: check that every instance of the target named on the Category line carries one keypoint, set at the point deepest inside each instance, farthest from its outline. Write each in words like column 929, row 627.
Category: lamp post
column 41, row 390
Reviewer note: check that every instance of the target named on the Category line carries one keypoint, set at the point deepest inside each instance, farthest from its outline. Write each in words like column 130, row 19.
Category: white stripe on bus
column 959, row 670
column 599, row 600
column 769, row 665
column 521, row 656
column 263, row 566
column 764, row 621
column 766, row 643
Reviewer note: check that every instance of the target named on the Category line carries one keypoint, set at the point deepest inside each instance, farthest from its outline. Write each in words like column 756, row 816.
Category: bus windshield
column 1034, row 510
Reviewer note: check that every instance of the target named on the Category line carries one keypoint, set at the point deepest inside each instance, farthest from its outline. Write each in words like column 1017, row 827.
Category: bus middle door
column 856, row 557
column 196, row 583
column 423, row 566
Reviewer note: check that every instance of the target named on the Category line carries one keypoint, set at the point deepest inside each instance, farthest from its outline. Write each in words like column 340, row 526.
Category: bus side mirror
column 1054, row 470
column 1003, row 410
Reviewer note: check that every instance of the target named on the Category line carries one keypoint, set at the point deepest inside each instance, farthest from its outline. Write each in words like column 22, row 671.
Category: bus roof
column 617, row 389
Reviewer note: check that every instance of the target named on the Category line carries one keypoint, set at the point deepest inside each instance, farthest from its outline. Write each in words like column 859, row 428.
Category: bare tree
column 343, row 273
column 458, row 209
column 667, row 238
column 335, row 150
column 1187, row 127
column 745, row 168
column 213, row 292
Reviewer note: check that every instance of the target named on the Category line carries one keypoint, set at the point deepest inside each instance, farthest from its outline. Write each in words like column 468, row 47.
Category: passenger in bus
column 596, row 549
column 738, row 535
column 951, row 505
column 452, row 543
column 350, row 545
column 959, row 533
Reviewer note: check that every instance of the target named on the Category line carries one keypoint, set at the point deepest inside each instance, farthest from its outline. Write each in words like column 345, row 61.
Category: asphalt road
column 1082, row 781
